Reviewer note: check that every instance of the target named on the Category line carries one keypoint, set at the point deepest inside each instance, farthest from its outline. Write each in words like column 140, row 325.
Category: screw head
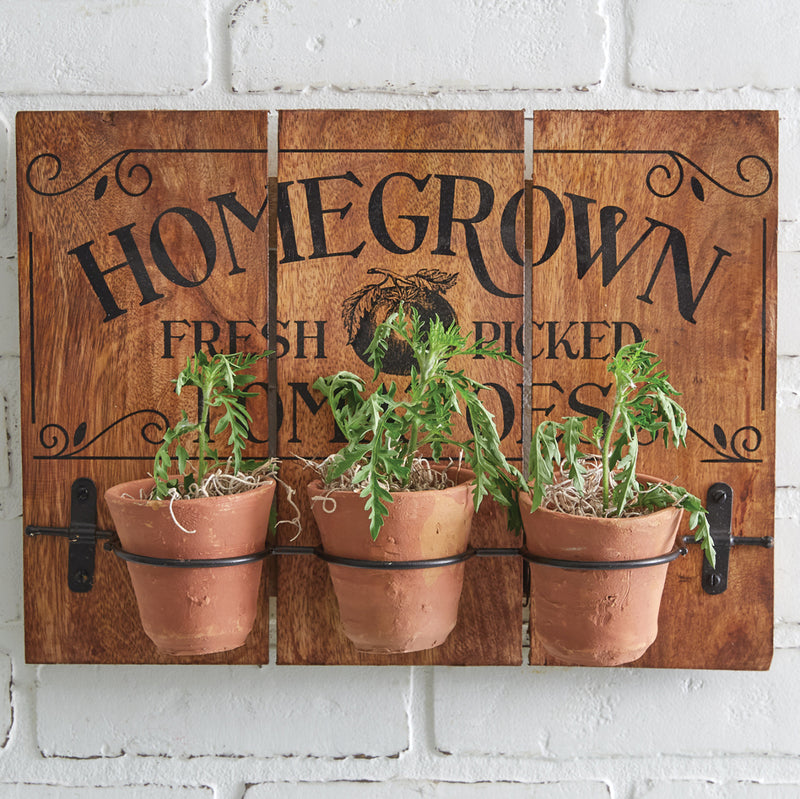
column 719, row 495
column 82, row 494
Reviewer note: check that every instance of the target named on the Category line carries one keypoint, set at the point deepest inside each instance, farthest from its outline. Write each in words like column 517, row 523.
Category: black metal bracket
column 719, row 504
column 606, row 565
column 82, row 534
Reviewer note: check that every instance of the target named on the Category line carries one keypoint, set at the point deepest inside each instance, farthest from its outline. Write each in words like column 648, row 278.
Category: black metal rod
column 62, row 532
column 606, row 565
column 765, row 541
column 187, row 563
column 393, row 565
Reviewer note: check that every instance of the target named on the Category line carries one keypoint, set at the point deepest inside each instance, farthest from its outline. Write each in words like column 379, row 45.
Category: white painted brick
column 89, row 711
column 6, row 712
column 5, row 161
column 430, row 790
column 416, row 46
column 718, row 790
column 11, row 485
column 103, row 47
column 788, row 304
column 787, row 556
column 10, row 571
column 789, row 169
column 578, row 713
column 714, row 44
column 33, row 791
column 788, row 380
column 787, row 457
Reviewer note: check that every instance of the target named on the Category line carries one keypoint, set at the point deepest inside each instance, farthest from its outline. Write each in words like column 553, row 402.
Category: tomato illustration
column 366, row 308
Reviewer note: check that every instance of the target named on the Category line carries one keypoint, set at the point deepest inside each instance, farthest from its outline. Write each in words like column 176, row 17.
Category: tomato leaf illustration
column 80, row 434
column 100, row 188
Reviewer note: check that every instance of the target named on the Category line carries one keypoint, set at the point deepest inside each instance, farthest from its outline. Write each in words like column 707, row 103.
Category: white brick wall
column 229, row 733
column 415, row 46
column 711, row 45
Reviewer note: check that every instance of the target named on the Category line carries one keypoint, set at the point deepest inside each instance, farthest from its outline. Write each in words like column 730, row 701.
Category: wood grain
column 335, row 168
column 680, row 193
column 101, row 345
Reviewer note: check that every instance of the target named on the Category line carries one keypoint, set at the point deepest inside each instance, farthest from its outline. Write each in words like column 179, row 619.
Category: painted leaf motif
column 100, row 188
column 80, row 434
column 697, row 188
column 719, row 434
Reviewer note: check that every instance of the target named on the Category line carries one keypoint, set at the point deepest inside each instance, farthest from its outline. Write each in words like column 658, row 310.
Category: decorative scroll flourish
column 673, row 183
column 734, row 449
column 126, row 182
column 135, row 181
column 664, row 180
column 57, row 440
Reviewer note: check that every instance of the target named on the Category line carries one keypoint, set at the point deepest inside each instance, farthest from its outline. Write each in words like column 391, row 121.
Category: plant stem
column 202, row 437
column 606, row 450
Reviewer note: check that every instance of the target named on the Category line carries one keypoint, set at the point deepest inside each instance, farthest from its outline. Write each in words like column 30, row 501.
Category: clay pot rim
column 318, row 486
column 133, row 487
column 604, row 520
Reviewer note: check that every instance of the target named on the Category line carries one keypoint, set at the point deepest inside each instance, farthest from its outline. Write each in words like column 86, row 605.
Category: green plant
column 386, row 433
column 222, row 381
column 643, row 401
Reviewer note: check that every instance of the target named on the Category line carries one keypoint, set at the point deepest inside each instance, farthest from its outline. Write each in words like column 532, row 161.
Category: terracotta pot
column 597, row 617
column 400, row 610
column 193, row 611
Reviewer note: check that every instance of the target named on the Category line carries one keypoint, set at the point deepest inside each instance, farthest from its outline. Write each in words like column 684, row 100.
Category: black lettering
column 204, row 235
column 447, row 218
column 316, row 215
column 479, row 334
column 199, row 340
column 558, row 224
column 588, row 410
column 588, row 338
column 553, row 344
column 96, row 275
column 319, row 336
column 169, row 336
column 618, row 327
column 233, row 335
column 302, row 390
column 229, row 202
column 676, row 245
column 286, row 225
column 508, row 227
column 281, row 344
column 377, row 220
column 612, row 219
column 554, row 384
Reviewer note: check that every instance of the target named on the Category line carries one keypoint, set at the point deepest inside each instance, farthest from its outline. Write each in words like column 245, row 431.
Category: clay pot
column 597, row 617
column 193, row 611
column 400, row 610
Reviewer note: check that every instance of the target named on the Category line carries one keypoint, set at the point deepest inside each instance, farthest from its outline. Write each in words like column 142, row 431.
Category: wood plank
column 142, row 237
column 337, row 240
column 689, row 201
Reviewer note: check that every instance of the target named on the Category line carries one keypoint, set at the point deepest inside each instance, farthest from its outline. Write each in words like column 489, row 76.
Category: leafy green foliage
column 385, row 433
column 222, row 381
column 643, row 402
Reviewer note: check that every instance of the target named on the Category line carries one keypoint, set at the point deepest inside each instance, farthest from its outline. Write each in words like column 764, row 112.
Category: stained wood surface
column 689, row 201
column 355, row 240
column 100, row 345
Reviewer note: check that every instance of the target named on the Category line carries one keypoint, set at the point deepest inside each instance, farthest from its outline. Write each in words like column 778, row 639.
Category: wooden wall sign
column 663, row 226
column 374, row 208
column 142, row 238
column 145, row 236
